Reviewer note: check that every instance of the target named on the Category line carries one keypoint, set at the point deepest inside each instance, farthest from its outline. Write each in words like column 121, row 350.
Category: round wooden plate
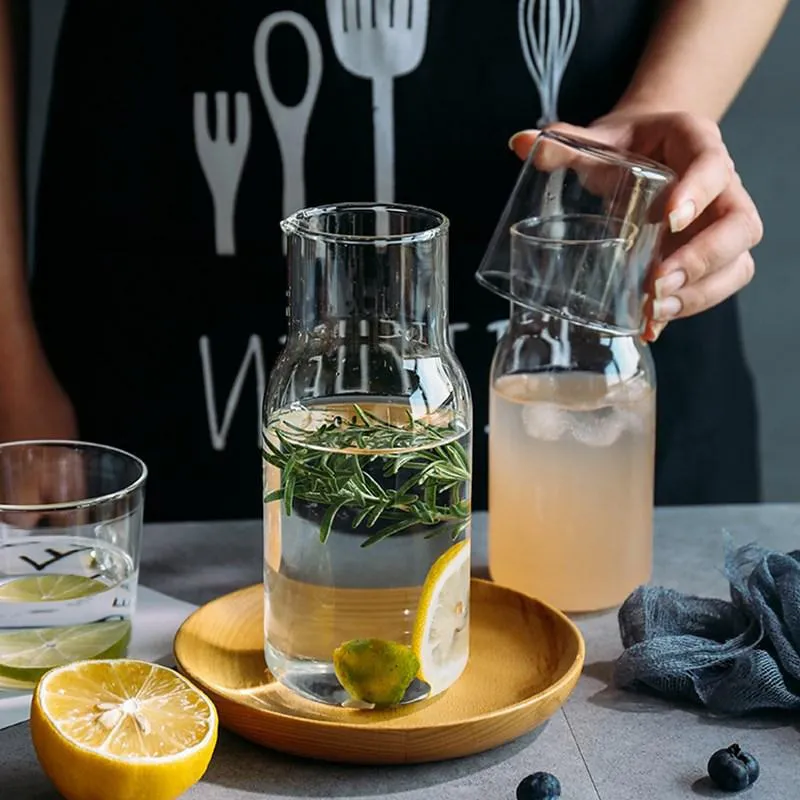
column 525, row 659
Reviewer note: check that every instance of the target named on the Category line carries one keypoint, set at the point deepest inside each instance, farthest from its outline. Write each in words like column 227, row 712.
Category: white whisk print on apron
column 548, row 30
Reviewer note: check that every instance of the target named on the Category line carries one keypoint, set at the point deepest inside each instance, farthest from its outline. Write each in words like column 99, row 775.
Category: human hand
column 36, row 407
column 713, row 223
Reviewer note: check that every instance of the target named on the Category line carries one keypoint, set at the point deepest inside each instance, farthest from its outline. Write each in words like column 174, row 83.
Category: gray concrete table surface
column 604, row 744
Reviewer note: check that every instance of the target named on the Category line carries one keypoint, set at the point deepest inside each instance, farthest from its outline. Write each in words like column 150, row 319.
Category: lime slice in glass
column 49, row 588
column 25, row 655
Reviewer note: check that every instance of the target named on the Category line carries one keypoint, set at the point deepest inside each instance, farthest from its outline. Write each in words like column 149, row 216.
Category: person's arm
column 700, row 54
column 697, row 59
column 18, row 340
column 32, row 404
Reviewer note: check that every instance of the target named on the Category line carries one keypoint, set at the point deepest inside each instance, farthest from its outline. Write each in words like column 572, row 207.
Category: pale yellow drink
column 571, row 462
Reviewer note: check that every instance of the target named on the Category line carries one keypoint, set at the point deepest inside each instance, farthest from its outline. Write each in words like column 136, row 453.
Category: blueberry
column 732, row 769
column 539, row 786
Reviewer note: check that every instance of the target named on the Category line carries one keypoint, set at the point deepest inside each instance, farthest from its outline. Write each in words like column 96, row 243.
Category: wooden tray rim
column 566, row 679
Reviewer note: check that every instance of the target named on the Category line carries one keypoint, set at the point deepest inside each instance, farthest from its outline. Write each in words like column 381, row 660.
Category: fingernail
column 667, row 308
column 669, row 284
column 682, row 216
column 533, row 132
column 656, row 329
column 514, row 139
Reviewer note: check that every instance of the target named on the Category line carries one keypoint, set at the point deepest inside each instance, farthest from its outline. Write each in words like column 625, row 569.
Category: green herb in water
column 315, row 470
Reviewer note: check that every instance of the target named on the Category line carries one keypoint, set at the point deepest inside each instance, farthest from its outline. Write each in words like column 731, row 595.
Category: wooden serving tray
column 525, row 659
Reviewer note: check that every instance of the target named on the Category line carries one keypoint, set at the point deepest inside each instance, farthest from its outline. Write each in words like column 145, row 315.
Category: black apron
column 159, row 281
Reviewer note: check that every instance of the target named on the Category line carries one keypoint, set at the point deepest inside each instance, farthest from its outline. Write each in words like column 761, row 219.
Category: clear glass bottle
column 367, row 464
column 571, row 462
column 572, row 406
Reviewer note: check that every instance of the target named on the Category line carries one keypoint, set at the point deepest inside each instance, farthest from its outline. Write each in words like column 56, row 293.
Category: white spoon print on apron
column 290, row 122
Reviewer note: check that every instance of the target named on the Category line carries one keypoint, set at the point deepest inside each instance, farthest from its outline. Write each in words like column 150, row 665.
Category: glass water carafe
column 572, row 407
column 571, row 461
column 367, row 464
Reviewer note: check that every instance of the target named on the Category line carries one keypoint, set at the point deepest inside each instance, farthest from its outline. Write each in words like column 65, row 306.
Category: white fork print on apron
column 222, row 158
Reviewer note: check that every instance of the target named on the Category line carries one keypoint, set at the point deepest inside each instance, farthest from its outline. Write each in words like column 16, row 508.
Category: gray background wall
column 762, row 130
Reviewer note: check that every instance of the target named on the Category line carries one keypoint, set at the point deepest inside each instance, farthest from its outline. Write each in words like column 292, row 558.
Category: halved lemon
column 123, row 729
column 441, row 630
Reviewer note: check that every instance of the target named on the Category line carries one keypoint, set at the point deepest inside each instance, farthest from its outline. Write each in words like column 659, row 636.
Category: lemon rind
column 421, row 631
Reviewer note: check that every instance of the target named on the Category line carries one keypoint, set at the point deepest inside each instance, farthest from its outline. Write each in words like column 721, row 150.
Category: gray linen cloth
column 730, row 656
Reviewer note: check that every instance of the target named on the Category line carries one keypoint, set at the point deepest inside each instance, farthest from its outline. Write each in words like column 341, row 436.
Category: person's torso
column 179, row 135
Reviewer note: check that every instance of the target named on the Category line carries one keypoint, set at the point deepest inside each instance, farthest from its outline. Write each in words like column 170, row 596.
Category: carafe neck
column 368, row 272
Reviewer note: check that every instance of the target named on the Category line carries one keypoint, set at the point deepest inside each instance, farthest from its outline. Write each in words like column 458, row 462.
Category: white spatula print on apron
column 290, row 122
column 380, row 40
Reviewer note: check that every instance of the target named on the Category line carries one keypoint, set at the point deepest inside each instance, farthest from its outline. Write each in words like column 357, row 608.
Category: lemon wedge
column 375, row 672
column 123, row 729
column 441, row 629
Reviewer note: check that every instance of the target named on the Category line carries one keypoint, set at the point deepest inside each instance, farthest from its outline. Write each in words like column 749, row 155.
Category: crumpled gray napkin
column 729, row 656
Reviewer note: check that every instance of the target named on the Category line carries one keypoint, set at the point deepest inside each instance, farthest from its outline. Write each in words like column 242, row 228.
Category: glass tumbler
column 367, row 464
column 572, row 397
column 607, row 206
column 70, row 540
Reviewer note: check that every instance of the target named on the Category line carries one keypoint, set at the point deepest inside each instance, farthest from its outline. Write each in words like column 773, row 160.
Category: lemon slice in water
column 441, row 632
column 49, row 588
column 25, row 655
column 121, row 729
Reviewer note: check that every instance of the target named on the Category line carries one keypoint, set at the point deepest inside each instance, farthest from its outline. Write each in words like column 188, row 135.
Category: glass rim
column 627, row 231
column 496, row 281
column 297, row 224
column 645, row 168
column 87, row 502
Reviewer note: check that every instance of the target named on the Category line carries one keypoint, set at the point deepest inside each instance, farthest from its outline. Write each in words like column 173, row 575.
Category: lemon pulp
column 441, row 629
column 122, row 728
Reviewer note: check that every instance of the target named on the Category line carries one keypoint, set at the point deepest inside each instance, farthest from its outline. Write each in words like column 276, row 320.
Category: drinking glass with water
column 70, row 540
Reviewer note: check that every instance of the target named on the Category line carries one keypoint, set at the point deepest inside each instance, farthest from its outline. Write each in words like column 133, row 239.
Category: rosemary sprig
column 324, row 466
